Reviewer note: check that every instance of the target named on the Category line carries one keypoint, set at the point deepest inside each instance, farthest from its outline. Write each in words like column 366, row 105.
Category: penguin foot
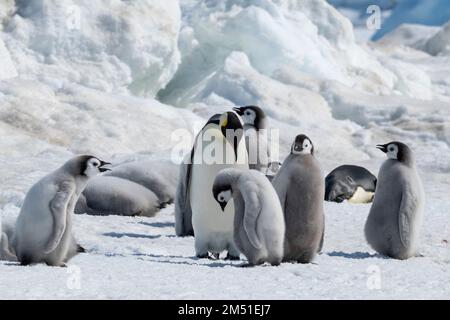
column 246, row 265
column 202, row 256
column 214, row 256
column 232, row 258
column 419, row 255
column 80, row 249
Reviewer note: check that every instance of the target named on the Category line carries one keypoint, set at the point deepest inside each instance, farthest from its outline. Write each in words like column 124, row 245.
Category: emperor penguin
column 219, row 145
column 183, row 210
column 6, row 252
column 108, row 195
column 395, row 218
column 301, row 188
column 43, row 231
column 349, row 182
column 258, row 218
column 159, row 176
column 256, row 137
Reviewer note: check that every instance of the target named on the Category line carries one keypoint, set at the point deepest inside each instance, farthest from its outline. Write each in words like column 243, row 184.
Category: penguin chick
column 301, row 189
column 258, row 219
column 107, row 195
column 43, row 231
column 395, row 218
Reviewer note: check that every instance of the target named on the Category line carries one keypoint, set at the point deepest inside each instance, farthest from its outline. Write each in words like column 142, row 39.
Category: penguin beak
column 223, row 205
column 382, row 147
column 238, row 111
column 102, row 168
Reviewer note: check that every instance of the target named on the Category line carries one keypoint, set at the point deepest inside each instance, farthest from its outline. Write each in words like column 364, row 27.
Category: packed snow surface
column 133, row 81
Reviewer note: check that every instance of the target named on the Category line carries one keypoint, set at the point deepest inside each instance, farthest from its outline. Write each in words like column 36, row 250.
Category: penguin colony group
column 227, row 200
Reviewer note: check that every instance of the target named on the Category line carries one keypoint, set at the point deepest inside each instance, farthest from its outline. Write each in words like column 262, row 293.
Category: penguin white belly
column 213, row 228
column 361, row 196
column 208, row 214
column 35, row 222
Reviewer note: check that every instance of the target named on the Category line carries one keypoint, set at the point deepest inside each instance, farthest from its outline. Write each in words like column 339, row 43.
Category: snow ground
column 141, row 258
column 64, row 93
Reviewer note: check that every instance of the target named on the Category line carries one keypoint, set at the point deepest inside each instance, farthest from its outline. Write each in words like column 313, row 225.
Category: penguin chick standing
column 301, row 188
column 258, row 218
column 43, row 230
column 395, row 218
column 218, row 146
column 256, row 139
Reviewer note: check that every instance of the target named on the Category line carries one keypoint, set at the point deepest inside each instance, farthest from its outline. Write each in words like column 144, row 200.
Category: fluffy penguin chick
column 43, row 231
column 107, row 195
column 301, row 189
column 6, row 252
column 258, row 218
column 159, row 176
column 395, row 218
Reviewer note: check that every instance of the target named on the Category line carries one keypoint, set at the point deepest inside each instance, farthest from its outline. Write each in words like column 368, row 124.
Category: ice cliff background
column 117, row 78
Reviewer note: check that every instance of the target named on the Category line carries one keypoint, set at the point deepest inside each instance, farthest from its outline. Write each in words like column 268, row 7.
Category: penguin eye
column 391, row 149
column 95, row 164
column 221, row 199
column 247, row 113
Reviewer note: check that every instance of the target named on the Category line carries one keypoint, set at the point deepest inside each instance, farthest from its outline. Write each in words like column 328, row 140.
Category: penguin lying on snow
column 258, row 220
column 395, row 218
column 348, row 182
column 107, row 195
column 159, row 176
column 43, row 231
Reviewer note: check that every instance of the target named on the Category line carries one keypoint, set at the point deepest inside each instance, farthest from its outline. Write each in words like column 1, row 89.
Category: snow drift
column 113, row 46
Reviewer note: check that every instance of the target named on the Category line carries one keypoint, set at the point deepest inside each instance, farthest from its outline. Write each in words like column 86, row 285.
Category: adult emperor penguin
column 301, row 188
column 183, row 210
column 43, row 231
column 395, row 218
column 219, row 145
column 256, row 138
column 349, row 182
column 258, row 220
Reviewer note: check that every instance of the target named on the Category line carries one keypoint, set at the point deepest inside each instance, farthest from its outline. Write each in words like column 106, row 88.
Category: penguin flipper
column 5, row 252
column 408, row 207
column 58, row 208
column 183, row 211
column 251, row 215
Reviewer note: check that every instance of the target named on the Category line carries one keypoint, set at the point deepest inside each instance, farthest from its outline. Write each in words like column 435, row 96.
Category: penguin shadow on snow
column 158, row 224
column 157, row 257
column 355, row 255
column 130, row 235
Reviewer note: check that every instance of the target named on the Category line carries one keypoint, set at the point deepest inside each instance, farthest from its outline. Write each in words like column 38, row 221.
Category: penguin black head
column 252, row 116
column 397, row 151
column 222, row 194
column 232, row 129
column 302, row 145
column 90, row 166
